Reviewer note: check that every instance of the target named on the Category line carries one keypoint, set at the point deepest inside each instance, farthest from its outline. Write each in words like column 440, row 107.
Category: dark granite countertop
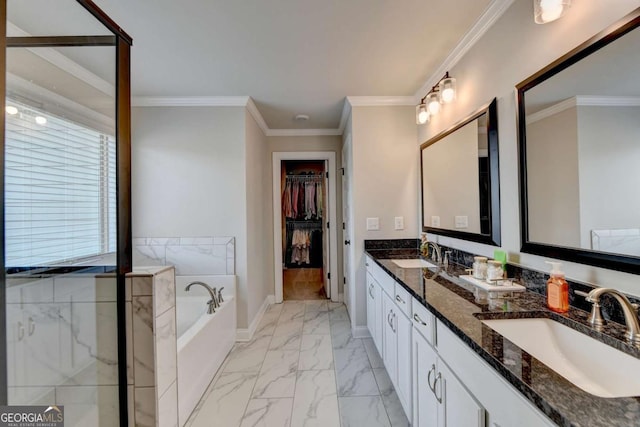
column 453, row 303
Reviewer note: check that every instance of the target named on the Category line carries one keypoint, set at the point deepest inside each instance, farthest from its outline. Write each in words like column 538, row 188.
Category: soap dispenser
column 557, row 289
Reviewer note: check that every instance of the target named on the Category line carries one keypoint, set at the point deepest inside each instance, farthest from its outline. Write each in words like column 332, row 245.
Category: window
column 60, row 189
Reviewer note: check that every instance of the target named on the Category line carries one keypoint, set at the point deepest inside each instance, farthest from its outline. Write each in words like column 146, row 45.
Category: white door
column 390, row 339
column 325, row 233
column 346, row 229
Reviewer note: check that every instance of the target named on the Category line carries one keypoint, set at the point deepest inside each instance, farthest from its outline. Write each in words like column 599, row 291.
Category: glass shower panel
column 60, row 227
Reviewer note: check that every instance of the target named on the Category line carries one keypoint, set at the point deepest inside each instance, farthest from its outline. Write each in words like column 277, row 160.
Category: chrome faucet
column 629, row 310
column 213, row 302
column 436, row 251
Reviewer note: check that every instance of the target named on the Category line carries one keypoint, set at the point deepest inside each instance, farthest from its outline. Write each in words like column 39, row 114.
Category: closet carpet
column 303, row 284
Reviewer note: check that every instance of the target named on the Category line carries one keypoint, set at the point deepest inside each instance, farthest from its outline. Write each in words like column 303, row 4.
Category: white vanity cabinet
column 439, row 380
column 374, row 311
column 439, row 398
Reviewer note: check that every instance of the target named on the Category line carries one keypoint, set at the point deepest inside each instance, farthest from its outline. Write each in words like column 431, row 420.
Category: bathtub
column 204, row 340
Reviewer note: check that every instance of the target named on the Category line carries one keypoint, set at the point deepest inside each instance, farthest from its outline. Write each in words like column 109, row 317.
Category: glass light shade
column 448, row 90
column 433, row 103
column 422, row 115
column 545, row 11
column 41, row 120
column 10, row 109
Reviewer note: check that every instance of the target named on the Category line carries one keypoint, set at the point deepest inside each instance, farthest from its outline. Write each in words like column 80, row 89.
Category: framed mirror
column 579, row 148
column 460, row 179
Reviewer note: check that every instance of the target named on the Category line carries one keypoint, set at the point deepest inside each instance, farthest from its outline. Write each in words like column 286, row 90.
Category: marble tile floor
column 302, row 368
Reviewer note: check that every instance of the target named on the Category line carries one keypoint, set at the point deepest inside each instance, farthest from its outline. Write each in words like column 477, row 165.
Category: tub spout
column 213, row 302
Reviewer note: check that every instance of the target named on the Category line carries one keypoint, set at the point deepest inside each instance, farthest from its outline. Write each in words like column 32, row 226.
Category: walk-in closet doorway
column 305, row 225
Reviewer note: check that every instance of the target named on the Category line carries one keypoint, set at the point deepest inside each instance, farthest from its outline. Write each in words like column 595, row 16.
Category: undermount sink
column 412, row 263
column 594, row 367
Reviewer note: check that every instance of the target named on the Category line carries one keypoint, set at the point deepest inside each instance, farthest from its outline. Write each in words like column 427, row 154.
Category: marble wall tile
column 149, row 255
column 188, row 241
column 315, row 402
column 168, row 407
column 131, row 398
column 84, row 288
column 227, row 401
column 143, row 363
column 31, row 395
column 142, row 285
column 145, row 410
column 278, row 375
column 354, row 374
column 222, row 240
column 198, row 259
column 129, row 332
column 89, row 405
column 29, row 290
column 268, row 412
column 165, row 350
column 164, row 291
column 315, row 352
column 363, row 411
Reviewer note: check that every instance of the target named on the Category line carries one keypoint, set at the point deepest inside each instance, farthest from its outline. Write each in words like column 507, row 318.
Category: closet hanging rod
column 304, row 178
column 305, row 225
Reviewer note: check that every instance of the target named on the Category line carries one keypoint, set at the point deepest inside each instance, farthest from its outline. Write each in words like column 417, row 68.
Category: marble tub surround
column 289, row 375
column 151, row 346
column 191, row 256
column 454, row 306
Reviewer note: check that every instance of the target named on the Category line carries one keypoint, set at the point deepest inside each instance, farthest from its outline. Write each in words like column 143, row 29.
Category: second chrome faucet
column 216, row 298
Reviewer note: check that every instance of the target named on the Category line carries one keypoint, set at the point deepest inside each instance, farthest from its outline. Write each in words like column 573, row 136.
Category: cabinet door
column 458, row 408
column 379, row 318
column 404, row 362
column 371, row 313
column 425, row 360
column 390, row 339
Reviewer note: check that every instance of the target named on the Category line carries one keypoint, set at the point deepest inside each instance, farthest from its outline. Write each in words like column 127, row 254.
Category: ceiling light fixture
column 40, row 120
column 443, row 92
column 302, row 117
column 11, row 110
column 545, row 11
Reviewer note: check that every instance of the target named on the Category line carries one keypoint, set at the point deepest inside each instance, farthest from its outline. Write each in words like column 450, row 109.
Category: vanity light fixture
column 41, row 120
column 11, row 110
column 443, row 92
column 545, row 11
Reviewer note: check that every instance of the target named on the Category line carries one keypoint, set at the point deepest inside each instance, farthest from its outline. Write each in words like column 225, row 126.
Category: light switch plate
column 435, row 221
column 399, row 223
column 373, row 224
column 462, row 221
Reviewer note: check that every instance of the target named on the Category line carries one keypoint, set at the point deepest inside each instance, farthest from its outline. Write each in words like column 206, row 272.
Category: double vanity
column 458, row 362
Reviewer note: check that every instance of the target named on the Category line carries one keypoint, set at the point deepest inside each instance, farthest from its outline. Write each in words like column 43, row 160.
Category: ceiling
column 291, row 56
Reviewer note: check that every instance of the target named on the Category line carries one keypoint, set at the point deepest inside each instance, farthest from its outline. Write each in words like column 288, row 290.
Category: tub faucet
column 629, row 310
column 213, row 302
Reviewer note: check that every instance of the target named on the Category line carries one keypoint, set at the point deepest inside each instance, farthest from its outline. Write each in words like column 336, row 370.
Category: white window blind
column 60, row 190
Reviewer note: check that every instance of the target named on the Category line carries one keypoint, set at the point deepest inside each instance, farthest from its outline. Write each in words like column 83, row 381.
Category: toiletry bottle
column 557, row 289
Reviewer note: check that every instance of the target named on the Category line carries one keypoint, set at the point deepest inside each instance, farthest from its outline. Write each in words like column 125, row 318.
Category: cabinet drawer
column 383, row 278
column 402, row 299
column 423, row 321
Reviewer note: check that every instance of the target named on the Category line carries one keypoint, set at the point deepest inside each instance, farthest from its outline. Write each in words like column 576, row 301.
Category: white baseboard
column 360, row 332
column 340, row 298
column 244, row 335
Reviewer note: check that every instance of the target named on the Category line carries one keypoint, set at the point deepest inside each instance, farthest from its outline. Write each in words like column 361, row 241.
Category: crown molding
column 255, row 113
column 190, row 101
column 491, row 14
column 584, row 101
column 304, row 132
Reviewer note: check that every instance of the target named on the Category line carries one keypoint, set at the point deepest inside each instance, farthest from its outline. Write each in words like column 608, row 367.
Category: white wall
column 385, row 178
column 450, row 179
column 302, row 144
column 189, row 179
column 259, row 229
column 552, row 179
column 513, row 49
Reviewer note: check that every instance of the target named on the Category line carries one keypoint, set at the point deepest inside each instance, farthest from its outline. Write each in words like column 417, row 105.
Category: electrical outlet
column 399, row 223
column 435, row 221
column 373, row 224
column 462, row 221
